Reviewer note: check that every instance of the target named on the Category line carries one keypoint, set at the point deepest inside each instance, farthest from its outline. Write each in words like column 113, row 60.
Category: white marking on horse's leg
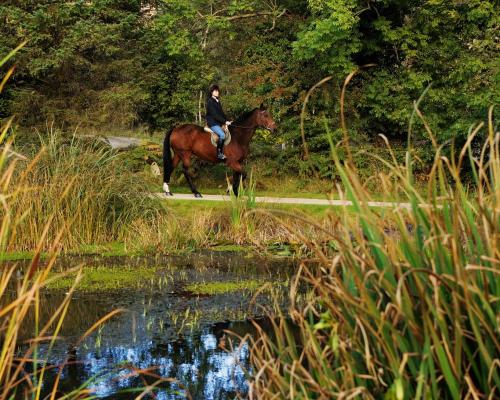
column 166, row 189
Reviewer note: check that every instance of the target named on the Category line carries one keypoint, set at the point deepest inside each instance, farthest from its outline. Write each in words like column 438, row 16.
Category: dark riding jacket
column 215, row 115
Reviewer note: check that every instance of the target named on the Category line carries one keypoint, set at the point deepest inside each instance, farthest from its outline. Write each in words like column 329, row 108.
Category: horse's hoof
column 198, row 195
column 168, row 194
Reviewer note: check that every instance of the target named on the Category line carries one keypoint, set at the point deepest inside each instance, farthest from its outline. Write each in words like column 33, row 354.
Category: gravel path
column 122, row 142
column 281, row 200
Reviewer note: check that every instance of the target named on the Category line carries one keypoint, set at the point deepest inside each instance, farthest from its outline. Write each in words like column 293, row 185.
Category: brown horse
column 186, row 140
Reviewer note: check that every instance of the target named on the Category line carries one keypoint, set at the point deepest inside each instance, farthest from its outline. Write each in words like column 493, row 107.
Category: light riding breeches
column 219, row 131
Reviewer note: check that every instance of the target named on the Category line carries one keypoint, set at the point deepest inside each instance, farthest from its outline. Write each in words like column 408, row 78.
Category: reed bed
column 88, row 190
column 27, row 339
column 411, row 313
column 83, row 187
column 41, row 208
column 205, row 228
column 22, row 369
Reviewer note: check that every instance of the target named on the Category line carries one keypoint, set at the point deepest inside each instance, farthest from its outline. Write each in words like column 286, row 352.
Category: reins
column 242, row 126
column 248, row 127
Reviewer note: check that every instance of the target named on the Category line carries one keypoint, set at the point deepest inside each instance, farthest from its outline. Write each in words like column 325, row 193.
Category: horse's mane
column 243, row 117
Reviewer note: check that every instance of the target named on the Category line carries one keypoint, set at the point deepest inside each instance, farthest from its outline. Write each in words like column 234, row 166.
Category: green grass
column 103, row 278
column 20, row 255
column 184, row 207
column 229, row 248
column 293, row 193
column 214, row 288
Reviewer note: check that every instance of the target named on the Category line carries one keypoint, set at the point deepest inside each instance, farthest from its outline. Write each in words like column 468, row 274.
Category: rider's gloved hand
column 229, row 123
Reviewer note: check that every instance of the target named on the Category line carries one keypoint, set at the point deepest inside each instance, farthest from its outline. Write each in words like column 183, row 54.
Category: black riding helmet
column 212, row 88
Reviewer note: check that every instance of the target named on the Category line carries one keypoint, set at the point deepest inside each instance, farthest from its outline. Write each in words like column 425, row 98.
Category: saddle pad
column 214, row 137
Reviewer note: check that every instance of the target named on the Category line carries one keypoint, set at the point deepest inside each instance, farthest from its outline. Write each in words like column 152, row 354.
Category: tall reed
column 84, row 186
column 405, row 313
column 21, row 369
column 23, row 366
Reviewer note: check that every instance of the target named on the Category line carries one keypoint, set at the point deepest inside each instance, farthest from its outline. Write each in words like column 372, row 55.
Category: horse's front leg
column 186, row 162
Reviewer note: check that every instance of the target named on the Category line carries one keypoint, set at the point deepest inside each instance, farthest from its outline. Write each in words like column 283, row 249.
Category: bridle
column 251, row 127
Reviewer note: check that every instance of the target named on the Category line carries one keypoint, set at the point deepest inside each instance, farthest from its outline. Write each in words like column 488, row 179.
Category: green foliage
column 331, row 39
column 452, row 47
column 447, row 44
column 80, row 57
column 125, row 63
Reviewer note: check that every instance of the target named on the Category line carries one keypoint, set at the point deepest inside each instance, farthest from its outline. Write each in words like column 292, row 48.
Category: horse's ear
column 262, row 107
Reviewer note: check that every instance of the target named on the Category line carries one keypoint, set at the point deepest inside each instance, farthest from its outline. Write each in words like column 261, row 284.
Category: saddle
column 214, row 137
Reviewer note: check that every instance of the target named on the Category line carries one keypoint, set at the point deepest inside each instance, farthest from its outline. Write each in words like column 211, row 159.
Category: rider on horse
column 188, row 140
column 216, row 117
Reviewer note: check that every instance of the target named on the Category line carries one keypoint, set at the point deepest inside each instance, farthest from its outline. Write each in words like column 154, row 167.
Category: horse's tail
column 167, row 157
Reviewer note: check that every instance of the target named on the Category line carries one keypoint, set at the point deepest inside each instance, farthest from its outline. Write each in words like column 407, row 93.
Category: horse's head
column 264, row 119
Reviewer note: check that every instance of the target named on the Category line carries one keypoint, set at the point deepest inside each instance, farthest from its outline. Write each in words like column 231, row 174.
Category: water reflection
column 170, row 333
column 196, row 361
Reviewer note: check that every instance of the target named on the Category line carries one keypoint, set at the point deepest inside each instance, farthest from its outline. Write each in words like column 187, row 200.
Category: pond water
column 175, row 325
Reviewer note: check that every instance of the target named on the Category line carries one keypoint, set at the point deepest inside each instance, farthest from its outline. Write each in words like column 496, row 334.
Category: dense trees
column 80, row 62
column 119, row 63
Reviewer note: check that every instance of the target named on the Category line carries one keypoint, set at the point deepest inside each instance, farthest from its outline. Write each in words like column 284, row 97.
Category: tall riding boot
column 220, row 146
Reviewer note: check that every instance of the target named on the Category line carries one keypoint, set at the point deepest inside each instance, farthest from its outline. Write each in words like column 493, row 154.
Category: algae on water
column 105, row 278
column 213, row 288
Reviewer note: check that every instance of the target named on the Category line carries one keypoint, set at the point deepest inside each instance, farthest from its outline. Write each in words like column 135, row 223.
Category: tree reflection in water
column 201, row 360
column 198, row 360
column 166, row 328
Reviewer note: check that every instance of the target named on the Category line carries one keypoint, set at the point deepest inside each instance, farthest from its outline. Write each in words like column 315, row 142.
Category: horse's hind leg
column 186, row 162
column 168, row 174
